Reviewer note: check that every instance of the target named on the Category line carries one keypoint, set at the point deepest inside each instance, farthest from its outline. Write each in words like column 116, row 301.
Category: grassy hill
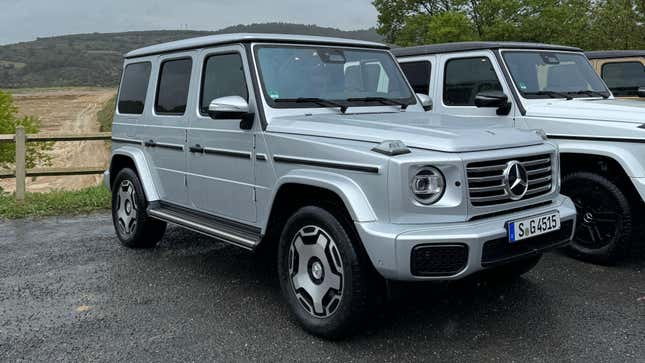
column 95, row 59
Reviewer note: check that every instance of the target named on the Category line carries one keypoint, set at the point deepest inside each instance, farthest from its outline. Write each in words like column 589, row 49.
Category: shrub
column 36, row 152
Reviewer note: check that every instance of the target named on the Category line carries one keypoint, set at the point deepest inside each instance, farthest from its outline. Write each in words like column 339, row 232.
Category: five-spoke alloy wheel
column 604, row 224
column 131, row 222
column 325, row 279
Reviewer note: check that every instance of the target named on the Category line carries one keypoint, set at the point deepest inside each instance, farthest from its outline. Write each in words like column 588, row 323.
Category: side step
column 244, row 236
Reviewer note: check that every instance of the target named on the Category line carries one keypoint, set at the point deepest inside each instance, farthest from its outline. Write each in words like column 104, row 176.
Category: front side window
column 465, row 78
column 553, row 75
column 172, row 90
column 624, row 78
column 132, row 95
column 418, row 74
column 310, row 76
column 223, row 76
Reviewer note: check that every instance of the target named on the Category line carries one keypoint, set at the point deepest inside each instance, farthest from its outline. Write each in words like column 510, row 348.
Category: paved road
column 69, row 291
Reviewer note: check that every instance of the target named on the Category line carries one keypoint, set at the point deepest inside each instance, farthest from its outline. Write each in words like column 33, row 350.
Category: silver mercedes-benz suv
column 319, row 149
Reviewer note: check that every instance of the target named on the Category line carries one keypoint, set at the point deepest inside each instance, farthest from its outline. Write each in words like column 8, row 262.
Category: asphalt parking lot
column 69, row 291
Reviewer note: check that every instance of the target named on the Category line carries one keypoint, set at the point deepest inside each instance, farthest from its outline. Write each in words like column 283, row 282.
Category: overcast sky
column 23, row 20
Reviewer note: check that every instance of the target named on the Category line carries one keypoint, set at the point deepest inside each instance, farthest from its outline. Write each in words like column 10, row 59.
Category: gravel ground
column 69, row 291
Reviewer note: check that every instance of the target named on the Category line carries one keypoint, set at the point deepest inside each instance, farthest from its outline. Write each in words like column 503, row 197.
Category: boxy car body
column 319, row 147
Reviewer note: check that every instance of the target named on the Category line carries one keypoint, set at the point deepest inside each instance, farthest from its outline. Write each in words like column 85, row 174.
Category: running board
column 240, row 235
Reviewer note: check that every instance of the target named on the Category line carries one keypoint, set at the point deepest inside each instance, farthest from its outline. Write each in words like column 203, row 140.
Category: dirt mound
column 66, row 111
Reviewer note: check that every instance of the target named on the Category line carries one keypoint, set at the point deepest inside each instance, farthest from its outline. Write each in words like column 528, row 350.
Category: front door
column 220, row 178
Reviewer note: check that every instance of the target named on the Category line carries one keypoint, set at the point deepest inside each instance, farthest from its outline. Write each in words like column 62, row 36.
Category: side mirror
column 494, row 99
column 231, row 108
column 425, row 100
column 641, row 92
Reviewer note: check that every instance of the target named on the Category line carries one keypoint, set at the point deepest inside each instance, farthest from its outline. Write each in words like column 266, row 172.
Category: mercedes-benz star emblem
column 516, row 180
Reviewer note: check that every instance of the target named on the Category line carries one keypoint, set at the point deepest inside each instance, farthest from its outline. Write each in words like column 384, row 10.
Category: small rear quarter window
column 134, row 87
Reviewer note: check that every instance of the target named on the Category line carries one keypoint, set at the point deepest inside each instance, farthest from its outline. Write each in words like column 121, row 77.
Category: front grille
column 438, row 260
column 486, row 180
column 499, row 250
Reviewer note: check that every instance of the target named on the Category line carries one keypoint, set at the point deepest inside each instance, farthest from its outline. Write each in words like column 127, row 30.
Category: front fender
column 629, row 156
column 143, row 169
column 347, row 189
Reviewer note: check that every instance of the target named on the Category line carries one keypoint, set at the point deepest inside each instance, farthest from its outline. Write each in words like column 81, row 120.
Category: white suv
column 554, row 88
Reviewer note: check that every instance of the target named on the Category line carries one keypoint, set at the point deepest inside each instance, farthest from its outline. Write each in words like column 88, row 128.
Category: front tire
column 604, row 226
column 134, row 228
column 326, row 282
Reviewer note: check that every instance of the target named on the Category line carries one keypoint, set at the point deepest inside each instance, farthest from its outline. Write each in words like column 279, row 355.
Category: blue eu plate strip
column 511, row 232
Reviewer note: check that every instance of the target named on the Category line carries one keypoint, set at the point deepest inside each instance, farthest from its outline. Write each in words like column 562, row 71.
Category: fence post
column 21, row 141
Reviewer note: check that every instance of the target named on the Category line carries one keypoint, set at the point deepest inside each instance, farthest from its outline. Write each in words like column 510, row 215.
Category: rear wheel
column 604, row 225
column 322, row 276
column 133, row 226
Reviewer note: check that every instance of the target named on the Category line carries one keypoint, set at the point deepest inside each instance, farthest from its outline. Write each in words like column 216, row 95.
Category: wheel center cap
column 316, row 270
column 128, row 207
column 588, row 217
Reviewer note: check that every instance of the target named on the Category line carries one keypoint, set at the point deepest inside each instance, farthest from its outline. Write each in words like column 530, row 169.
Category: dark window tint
column 624, row 78
column 132, row 95
column 465, row 78
column 223, row 76
column 172, row 91
column 418, row 74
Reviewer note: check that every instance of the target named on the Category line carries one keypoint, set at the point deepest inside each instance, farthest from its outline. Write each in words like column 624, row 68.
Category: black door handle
column 196, row 149
column 150, row 143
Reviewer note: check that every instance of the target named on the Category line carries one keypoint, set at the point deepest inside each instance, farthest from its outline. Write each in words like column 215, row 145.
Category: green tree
column 36, row 152
column 589, row 24
column 619, row 24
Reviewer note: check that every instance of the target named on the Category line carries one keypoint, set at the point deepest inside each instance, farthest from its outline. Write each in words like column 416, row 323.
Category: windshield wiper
column 382, row 100
column 591, row 93
column 319, row 101
column 552, row 94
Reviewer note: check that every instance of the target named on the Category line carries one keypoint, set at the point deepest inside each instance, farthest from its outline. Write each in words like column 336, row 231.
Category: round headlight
column 428, row 185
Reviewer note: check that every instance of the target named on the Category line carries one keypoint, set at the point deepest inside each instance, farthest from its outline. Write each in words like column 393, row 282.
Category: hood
column 415, row 129
column 611, row 110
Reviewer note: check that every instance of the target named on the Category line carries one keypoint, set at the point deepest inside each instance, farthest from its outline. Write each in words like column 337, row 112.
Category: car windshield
column 317, row 76
column 541, row 74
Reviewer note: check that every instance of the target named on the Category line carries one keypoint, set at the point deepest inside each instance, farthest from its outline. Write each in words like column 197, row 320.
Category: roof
column 614, row 54
column 465, row 46
column 220, row 39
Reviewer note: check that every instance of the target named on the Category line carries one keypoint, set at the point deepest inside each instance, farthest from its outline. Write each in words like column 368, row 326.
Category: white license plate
column 533, row 226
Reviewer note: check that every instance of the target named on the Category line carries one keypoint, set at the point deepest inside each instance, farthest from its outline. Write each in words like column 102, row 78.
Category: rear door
column 164, row 130
column 221, row 178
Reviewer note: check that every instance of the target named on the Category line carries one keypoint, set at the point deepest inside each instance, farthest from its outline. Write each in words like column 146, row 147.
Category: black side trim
column 593, row 138
column 327, row 164
column 231, row 153
column 126, row 141
column 260, row 157
column 509, row 82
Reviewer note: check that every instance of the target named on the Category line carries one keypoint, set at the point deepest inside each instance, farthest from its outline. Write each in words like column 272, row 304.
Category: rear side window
column 223, row 76
column 624, row 78
column 134, row 87
column 172, row 90
column 465, row 78
column 418, row 74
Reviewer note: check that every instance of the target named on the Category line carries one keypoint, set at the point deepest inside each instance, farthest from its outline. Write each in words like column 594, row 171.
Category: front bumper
column 390, row 246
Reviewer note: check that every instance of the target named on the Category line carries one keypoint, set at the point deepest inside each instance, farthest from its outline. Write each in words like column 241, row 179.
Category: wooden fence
column 21, row 172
